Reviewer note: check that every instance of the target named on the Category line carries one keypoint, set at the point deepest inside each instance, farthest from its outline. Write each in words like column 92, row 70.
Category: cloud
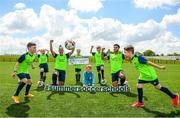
column 19, row 21
column 20, row 6
column 85, row 5
column 61, row 24
column 172, row 19
column 152, row 4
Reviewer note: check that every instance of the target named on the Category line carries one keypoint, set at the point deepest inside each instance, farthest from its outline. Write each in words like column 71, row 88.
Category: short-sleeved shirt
column 43, row 58
column 25, row 61
column 116, row 60
column 61, row 61
column 99, row 58
column 147, row 72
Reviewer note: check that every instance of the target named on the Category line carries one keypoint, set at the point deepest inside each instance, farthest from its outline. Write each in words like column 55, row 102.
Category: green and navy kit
column 61, row 61
column 147, row 72
column 78, row 66
column 25, row 61
column 43, row 58
column 99, row 58
column 116, row 60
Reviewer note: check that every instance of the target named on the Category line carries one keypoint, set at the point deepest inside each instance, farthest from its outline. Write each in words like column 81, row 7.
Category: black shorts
column 100, row 67
column 154, row 82
column 44, row 66
column 23, row 76
column 77, row 70
column 62, row 75
column 115, row 76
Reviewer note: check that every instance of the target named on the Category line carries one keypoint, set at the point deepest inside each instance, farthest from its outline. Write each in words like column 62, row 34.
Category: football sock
column 102, row 73
column 168, row 92
column 54, row 79
column 140, row 94
column 19, row 88
column 27, row 89
column 99, row 77
column 122, row 80
column 41, row 75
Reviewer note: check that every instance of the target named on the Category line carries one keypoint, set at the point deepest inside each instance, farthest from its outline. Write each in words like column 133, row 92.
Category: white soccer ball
column 40, row 83
column 103, row 82
column 69, row 44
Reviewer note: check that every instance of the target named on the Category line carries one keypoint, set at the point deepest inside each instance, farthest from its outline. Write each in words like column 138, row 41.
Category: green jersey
column 146, row 71
column 43, row 58
column 116, row 61
column 78, row 66
column 99, row 58
column 61, row 61
column 25, row 61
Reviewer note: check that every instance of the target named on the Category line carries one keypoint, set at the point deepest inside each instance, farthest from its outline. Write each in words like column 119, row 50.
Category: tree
column 149, row 53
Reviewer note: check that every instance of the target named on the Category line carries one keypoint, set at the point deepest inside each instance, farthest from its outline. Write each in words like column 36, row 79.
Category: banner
column 73, row 61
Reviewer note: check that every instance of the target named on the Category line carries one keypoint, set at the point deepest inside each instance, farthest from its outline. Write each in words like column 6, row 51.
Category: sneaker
column 16, row 99
column 29, row 95
column 175, row 101
column 138, row 104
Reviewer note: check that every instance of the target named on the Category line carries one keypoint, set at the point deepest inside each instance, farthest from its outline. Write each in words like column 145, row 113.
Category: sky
column 145, row 24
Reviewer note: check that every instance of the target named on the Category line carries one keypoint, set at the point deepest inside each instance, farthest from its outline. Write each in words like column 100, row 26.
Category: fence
column 14, row 58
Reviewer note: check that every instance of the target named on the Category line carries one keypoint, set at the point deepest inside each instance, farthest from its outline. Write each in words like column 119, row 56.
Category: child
column 99, row 56
column 21, row 70
column 60, row 65
column 43, row 64
column 88, row 77
column 147, row 75
column 78, row 67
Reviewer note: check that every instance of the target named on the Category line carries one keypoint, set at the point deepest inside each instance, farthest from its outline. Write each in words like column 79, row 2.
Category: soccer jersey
column 78, row 66
column 116, row 60
column 98, row 57
column 25, row 61
column 147, row 72
column 61, row 61
column 43, row 58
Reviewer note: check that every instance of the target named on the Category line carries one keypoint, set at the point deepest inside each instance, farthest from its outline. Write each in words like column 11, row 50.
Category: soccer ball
column 40, row 83
column 69, row 44
column 103, row 82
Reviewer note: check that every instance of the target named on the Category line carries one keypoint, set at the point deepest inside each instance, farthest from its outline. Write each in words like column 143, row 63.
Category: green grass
column 87, row 104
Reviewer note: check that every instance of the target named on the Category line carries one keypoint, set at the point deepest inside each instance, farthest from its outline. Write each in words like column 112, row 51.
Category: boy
column 60, row 65
column 78, row 67
column 21, row 70
column 43, row 64
column 147, row 75
column 99, row 56
column 116, row 59
column 88, row 77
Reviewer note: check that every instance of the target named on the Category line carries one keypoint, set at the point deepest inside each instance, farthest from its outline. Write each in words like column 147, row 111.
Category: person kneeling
column 88, row 77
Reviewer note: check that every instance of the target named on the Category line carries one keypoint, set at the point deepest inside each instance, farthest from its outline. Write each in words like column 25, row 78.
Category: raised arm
column 51, row 48
column 156, row 65
column 72, row 51
column 91, row 49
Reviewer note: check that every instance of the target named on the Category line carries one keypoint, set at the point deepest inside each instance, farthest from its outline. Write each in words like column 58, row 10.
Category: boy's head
column 42, row 51
column 128, row 52
column 88, row 68
column 61, row 50
column 31, row 47
column 116, row 47
column 78, row 51
column 98, row 48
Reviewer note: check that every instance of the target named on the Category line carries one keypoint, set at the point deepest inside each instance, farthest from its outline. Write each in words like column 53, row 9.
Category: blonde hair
column 89, row 66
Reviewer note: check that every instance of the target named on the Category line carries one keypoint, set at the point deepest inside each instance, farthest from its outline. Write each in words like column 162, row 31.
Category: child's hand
column 51, row 41
column 14, row 75
column 162, row 67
